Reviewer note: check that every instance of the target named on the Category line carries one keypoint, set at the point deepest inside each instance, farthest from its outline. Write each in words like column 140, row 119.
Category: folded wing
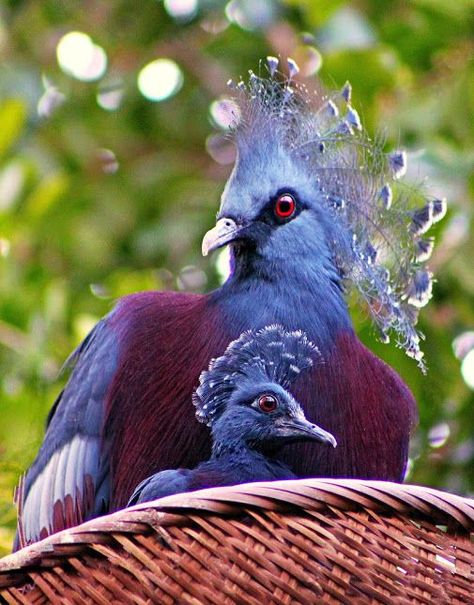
column 69, row 480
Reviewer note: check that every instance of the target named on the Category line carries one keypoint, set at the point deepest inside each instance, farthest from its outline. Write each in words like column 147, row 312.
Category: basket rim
column 383, row 497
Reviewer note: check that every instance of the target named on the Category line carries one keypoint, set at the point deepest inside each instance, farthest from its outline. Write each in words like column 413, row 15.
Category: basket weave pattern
column 308, row 541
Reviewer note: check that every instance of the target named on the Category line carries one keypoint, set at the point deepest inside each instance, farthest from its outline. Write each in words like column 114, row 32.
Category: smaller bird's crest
column 271, row 353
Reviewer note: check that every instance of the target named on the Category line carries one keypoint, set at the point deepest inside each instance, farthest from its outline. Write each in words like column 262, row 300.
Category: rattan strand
column 308, row 541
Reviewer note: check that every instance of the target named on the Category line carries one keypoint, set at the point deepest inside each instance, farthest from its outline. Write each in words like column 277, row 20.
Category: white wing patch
column 63, row 480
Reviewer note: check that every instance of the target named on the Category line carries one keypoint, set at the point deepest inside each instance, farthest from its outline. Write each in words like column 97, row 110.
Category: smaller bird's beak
column 225, row 231
column 300, row 428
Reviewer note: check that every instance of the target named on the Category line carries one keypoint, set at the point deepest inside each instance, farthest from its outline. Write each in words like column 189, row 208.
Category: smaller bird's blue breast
column 160, row 485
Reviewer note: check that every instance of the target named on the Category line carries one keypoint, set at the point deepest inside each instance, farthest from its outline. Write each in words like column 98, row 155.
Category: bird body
column 157, row 343
column 232, row 468
column 302, row 220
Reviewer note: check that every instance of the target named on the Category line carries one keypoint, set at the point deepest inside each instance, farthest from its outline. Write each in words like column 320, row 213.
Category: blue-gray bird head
column 309, row 185
column 244, row 395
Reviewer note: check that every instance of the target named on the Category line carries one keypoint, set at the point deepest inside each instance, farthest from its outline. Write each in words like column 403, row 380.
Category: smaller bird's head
column 244, row 396
column 265, row 417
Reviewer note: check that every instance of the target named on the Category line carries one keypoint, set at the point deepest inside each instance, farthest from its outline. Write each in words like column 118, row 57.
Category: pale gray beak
column 300, row 428
column 225, row 231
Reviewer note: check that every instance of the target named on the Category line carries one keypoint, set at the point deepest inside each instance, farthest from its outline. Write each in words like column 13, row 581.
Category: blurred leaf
column 316, row 12
column 12, row 120
column 49, row 191
column 460, row 10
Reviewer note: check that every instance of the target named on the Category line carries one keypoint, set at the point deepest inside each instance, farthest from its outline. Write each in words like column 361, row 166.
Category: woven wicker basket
column 311, row 541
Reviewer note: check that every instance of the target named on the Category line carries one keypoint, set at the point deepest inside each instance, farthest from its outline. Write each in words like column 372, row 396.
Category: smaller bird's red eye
column 285, row 206
column 268, row 403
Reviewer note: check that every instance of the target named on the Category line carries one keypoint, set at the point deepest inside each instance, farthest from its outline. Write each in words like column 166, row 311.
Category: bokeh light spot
column 463, row 343
column 224, row 113
column 4, row 247
column 223, row 266
column 108, row 161
column 348, row 28
column 214, row 24
column 51, row 99
column 100, row 291
column 311, row 61
column 80, row 58
column 160, row 79
column 181, row 9
column 191, row 278
column 110, row 97
column 12, row 179
column 252, row 14
column 221, row 149
column 83, row 324
column 439, row 434
column 467, row 369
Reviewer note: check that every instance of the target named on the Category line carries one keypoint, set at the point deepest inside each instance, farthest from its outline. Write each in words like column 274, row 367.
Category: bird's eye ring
column 267, row 403
column 285, row 206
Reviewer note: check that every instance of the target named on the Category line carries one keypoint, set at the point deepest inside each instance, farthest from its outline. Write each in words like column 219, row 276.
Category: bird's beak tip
column 323, row 436
column 225, row 231
column 328, row 438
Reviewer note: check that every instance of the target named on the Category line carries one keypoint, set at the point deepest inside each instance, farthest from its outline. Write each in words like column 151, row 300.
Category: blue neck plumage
column 299, row 293
column 237, row 452
column 233, row 448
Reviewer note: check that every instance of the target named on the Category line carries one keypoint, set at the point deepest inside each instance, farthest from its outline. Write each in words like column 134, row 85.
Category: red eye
column 285, row 206
column 268, row 403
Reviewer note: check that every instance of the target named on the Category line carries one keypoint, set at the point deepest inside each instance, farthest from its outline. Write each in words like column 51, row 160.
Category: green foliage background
column 75, row 235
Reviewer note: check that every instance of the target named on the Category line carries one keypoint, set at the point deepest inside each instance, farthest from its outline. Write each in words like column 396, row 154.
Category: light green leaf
column 46, row 194
column 12, row 121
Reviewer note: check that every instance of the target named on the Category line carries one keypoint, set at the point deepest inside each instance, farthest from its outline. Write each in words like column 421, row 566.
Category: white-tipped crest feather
column 378, row 224
column 272, row 353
